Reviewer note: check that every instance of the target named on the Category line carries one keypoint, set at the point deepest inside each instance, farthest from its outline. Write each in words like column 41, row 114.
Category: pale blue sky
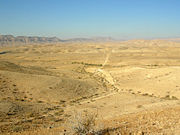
column 91, row 18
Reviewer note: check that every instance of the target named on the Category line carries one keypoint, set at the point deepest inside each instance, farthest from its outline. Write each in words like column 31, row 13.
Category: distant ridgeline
column 21, row 40
column 11, row 40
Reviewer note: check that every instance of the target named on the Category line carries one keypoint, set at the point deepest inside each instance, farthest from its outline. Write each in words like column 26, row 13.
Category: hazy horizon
column 93, row 37
column 85, row 19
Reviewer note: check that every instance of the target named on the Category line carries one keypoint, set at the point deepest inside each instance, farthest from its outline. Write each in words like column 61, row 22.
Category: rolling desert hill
column 133, row 87
column 173, row 39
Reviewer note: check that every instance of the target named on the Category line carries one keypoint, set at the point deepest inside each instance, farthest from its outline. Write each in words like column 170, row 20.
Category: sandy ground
column 133, row 86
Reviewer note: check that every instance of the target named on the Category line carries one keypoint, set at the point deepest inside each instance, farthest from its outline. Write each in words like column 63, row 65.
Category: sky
column 121, row 19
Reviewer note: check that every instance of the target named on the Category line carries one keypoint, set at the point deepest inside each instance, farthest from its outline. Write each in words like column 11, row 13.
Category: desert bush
column 84, row 123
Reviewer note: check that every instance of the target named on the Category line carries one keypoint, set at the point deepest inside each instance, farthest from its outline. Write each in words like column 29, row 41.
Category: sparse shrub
column 59, row 112
column 139, row 106
column 84, row 123
column 174, row 98
column 87, row 64
column 168, row 97
column 17, row 128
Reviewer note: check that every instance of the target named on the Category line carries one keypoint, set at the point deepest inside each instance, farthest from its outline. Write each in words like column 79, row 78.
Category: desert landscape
column 129, row 87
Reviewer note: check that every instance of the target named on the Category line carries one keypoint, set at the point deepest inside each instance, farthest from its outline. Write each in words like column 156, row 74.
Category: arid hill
column 133, row 87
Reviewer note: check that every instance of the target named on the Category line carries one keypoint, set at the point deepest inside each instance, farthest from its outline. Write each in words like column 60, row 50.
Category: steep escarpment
column 11, row 40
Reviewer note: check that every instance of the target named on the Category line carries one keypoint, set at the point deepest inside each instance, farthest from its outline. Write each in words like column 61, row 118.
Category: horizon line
column 93, row 37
